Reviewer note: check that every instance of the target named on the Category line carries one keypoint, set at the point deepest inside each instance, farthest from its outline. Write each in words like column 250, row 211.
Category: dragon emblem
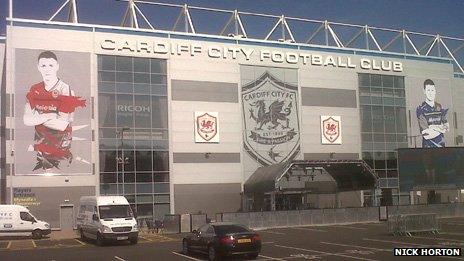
column 274, row 114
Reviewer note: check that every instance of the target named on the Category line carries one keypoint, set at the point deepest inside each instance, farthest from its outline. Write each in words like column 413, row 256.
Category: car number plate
column 122, row 238
column 244, row 240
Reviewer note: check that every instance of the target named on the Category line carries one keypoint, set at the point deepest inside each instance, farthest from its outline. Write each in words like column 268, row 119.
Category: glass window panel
column 388, row 101
column 391, row 160
column 387, row 92
column 106, row 110
column 108, row 178
column 160, row 210
column 107, row 161
column 108, row 189
column 364, row 79
column 107, row 133
column 390, row 146
column 376, row 80
column 124, row 77
column 379, row 146
column 108, row 144
column 377, row 119
column 390, row 137
column 124, row 87
column 379, row 160
column 399, row 93
column 366, row 91
column 142, row 134
column 400, row 114
column 129, row 160
column 145, row 188
column 143, row 145
column 162, row 199
column 142, row 78
column 144, row 210
column 160, row 161
column 366, row 137
column 400, row 102
column 144, row 177
column 120, row 177
column 161, row 177
column 129, row 188
column 106, row 76
column 379, row 138
column 389, row 116
column 141, row 65
column 124, row 114
column 131, row 200
column 143, row 160
column 158, row 79
column 142, row 111
column 367, row 145
column 159, row 112
column 399, row 82
column 392, row 173
column 144, row 198
column 160, row 135
column 387, row 81
column 142, row 88
column 401, row 138
column 377, row 92
column 129, row 177
column 158, row 89
column 160, row 145
column 107, row 62
column 161, row 187
column 403, row 144
column 365, row 100
column 158, row 66
column 106, row 87
column 366, row 116
column 123, row 63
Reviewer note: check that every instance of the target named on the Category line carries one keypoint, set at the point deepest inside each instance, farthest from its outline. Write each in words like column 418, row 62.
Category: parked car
column 16, row 220
column 223, row 239
column 106, row 218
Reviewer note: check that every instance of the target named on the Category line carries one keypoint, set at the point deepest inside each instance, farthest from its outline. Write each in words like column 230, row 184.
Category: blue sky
column 430, row 16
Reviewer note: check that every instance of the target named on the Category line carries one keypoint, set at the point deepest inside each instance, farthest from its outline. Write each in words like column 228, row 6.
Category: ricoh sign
column 248, row 54
column 133, row 108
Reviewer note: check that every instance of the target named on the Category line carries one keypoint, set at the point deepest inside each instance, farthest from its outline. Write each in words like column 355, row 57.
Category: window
column 26, row 216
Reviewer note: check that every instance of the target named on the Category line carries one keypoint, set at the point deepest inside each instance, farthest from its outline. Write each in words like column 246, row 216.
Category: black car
column 223, row 239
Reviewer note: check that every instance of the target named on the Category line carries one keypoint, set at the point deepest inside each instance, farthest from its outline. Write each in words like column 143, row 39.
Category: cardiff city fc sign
column 270, row 115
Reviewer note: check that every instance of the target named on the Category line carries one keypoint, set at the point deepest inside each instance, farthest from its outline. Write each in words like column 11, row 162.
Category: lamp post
column 121, row 159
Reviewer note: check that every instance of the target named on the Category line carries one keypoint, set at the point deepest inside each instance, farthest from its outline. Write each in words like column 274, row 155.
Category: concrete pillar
column 273, row 208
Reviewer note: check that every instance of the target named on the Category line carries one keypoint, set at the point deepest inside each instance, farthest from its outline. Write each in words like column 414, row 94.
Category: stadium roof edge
column 217, row 38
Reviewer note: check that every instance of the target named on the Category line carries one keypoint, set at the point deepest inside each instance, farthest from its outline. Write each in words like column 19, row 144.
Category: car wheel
column 253, row 256
column 37, row 234
column 185, row 247
column 100, row 241
column 134, row 240
column 212, row 255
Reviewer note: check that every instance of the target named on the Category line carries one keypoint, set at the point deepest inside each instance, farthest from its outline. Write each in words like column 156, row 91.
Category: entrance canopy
column 316, row 176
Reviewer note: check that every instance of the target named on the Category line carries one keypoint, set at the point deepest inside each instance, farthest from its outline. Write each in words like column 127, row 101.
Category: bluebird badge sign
column 206, row 127
column 270, row 115
column 331, row 130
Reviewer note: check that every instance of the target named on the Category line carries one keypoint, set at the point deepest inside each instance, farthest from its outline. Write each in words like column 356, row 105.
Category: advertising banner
column 52, row 113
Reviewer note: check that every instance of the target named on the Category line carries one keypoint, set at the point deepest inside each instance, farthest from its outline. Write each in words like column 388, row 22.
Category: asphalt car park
column 367, row 241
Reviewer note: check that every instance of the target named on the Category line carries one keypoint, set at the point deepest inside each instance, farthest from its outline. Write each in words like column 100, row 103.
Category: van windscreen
column 115, row 211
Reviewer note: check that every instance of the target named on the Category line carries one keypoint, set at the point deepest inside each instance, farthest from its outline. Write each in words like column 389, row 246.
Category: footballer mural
column 53, row 136
column 432, row 118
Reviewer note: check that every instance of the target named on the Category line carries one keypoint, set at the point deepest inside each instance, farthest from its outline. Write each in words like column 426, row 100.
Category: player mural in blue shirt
column 432, row 118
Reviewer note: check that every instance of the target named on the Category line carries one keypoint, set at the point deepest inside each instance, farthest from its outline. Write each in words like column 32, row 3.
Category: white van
column 106, row 218
column 16, row 220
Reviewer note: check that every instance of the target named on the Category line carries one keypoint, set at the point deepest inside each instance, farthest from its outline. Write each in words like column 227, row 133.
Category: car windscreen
column 229, row 229
column 115, row 211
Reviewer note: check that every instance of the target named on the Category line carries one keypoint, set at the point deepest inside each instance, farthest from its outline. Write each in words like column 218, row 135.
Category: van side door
column 95, row 224
column 26, row 223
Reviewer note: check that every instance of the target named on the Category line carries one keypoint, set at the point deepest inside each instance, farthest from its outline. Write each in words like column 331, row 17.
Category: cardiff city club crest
column 270, row 115
column 206, row 127
column 331, row 130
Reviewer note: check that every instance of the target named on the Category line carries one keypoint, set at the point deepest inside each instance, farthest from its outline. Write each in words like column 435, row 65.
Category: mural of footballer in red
column 50, row 107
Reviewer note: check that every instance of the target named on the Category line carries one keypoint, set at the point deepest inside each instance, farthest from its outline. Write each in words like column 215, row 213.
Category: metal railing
column 285, row 30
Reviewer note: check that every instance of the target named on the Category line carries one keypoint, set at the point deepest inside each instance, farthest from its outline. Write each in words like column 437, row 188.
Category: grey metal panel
column 206, row 157
column 7, row 106
column 328, row 97
column 324, row 156
column 204, row 91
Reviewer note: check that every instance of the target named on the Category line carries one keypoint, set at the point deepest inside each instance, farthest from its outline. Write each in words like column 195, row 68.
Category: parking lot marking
column 322, row 252
column 118, row 258
column 397, row 242
column 271, row 258
column 146, row 238
column 309, row 229
column 267, row 243
column 33, row 243
column 371, row 248
column 451, row 233
column 80, row 242
column 179, row 254
column 8, row 246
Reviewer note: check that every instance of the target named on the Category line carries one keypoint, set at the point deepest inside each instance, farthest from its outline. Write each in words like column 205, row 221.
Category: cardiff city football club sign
column 206, row 127
column 331, row 130
column 270, row 115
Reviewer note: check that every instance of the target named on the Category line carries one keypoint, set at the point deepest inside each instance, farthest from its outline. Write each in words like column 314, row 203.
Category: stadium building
column 185, row 122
